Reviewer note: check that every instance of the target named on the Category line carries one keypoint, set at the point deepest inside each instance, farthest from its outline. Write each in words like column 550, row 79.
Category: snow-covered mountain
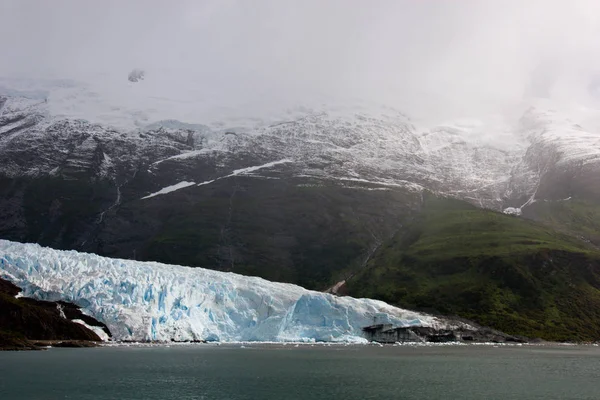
column 490, row 161
column 152, row 301
column 380, row 147
column 135, row 173
column 562, row 160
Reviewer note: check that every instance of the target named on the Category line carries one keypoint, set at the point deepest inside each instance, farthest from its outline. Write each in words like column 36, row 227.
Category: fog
column 442, row 57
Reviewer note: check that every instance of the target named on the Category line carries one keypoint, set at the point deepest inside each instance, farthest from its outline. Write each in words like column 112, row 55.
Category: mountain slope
column 501, row 271
column 307, row 196
column 575, row 216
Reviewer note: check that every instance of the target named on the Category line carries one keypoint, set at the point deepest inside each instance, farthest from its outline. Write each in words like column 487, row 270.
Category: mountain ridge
column 310, row 199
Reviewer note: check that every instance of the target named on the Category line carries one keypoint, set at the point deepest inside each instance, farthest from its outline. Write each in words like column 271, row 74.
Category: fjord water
column 254, row 372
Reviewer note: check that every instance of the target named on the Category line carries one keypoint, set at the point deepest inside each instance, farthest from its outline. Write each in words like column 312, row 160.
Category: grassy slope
column 509, row 273
column 578, row 217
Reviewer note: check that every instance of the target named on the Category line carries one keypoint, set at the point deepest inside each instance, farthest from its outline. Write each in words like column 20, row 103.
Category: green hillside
column 509, row 273
column 576, row 216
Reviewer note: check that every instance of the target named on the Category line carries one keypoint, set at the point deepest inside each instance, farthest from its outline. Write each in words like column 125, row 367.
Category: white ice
column 258, row 167
column 153, row 301
column 170, row 189
column 96, row 329
column 512, row 211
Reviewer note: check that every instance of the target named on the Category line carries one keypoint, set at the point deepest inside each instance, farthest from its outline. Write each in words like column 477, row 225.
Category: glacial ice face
column 153, row 301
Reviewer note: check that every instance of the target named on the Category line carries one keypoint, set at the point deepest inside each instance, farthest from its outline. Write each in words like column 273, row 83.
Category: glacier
column 150, row 301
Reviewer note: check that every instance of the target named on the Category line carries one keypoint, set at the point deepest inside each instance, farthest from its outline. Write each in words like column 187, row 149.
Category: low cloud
column 449, row 58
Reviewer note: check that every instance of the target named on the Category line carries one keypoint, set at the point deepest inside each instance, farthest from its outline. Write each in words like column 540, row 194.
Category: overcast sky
column 430, row 54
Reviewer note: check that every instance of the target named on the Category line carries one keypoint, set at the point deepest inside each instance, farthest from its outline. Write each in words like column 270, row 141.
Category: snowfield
column 153, row 301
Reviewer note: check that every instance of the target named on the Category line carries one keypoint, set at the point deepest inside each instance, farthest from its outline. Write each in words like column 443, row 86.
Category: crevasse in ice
column 153, row 301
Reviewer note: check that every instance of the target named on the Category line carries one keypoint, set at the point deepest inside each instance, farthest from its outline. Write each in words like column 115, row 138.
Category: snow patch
column 61, row 311
column 206, row 182
column 170, row 189
column 257, row 167
column 247, row 171
column 512, row 211
column 187, row 155
column 96, row 329
column 243, row 171
column 106, row 165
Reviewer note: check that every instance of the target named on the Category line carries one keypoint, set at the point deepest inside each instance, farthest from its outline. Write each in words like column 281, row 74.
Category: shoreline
column 244, row 344
column 54, row 344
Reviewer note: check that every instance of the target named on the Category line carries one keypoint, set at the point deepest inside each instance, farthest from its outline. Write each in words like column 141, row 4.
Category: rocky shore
column 29, row 324
column 386, row 333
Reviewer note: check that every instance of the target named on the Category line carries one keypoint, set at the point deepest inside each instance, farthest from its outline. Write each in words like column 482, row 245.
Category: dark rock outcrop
column 387, row 333
column 24, row 321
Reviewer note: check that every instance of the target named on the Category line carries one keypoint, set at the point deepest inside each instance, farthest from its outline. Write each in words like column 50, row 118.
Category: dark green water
column 287, row 372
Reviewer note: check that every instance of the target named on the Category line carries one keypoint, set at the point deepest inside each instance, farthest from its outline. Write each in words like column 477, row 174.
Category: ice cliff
column 153, row 301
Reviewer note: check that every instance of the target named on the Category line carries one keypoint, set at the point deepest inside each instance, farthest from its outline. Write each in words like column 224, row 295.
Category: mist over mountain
column 432, row 60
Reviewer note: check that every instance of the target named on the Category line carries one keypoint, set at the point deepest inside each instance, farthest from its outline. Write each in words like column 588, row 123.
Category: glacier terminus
column 149, row 301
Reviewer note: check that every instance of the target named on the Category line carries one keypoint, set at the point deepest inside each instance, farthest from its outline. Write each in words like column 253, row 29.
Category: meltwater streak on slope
column 154, row 301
